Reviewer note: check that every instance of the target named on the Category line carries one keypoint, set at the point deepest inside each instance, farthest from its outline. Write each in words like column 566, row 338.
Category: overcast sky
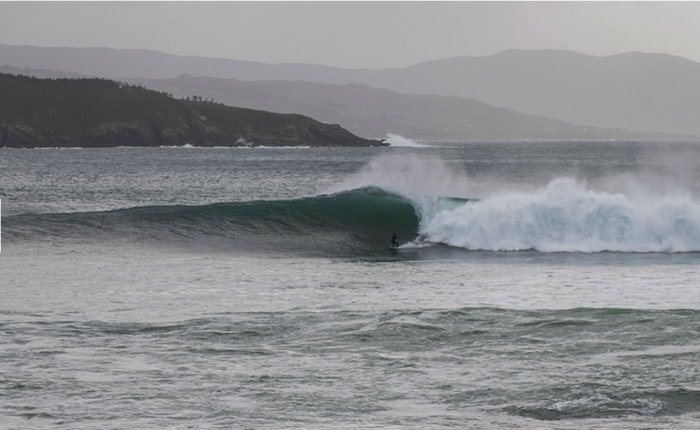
column 356, row 34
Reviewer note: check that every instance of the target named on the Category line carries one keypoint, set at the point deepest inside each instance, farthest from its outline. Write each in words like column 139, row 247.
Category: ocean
column 538, row 285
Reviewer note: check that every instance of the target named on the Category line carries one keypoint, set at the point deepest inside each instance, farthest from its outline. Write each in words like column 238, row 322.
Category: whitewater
column 561, row 216
column 539, row 285
column 566, row 217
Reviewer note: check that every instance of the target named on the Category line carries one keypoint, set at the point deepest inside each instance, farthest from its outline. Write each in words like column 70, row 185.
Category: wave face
column 352, row 221
column 565, row 217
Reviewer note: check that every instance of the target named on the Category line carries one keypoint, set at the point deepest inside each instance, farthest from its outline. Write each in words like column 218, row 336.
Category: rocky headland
column 98, row 113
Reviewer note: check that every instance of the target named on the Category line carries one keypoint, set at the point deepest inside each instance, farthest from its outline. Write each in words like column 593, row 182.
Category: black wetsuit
column 394, row 243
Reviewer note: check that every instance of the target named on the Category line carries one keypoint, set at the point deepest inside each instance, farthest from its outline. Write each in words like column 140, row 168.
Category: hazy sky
column 356, row 34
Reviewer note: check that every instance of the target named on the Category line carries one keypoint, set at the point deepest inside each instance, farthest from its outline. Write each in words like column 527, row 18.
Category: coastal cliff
column 94, row 113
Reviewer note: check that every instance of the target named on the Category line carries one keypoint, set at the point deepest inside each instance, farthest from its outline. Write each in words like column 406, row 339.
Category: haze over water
column 538, row 285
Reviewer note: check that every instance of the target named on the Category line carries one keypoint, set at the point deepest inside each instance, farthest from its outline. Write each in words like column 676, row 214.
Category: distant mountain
column 41, row 73
column 101, row 113
column 142, row 63
column 635, row 91
column 372, row 113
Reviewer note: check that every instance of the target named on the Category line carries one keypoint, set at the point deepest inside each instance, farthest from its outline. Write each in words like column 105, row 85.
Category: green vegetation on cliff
column 103, row 113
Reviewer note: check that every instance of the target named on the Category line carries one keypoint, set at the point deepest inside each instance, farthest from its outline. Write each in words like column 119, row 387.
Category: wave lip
column 565, row 217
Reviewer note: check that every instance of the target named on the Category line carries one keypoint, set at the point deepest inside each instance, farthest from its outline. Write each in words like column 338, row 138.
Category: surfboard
column 392, row 248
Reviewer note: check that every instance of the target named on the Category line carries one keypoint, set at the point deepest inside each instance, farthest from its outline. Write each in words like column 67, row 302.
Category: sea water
column 537, row 286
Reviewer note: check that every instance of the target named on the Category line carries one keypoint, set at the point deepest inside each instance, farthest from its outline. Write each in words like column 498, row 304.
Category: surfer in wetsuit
column 394, row 243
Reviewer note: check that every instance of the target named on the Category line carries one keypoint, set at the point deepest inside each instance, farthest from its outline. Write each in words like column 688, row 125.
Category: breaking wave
column 566, row 217
column 395, row 140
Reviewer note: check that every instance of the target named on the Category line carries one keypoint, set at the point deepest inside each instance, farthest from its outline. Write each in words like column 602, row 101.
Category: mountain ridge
column 373, row 113
column 641, row 92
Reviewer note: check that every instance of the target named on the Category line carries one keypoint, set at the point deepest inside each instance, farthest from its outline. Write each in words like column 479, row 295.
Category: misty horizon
column 368, row 35
column 146, row 50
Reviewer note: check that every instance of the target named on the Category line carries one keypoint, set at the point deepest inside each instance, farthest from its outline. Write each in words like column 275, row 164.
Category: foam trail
column 566, row 217
column 395, row 140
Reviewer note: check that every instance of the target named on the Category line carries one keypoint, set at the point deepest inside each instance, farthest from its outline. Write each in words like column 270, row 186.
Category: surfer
column 394, row 243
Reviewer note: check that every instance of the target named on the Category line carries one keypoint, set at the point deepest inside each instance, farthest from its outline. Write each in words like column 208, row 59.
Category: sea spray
column 395, row 140
column 412, row 176
column 564, row 216
column 567, row 217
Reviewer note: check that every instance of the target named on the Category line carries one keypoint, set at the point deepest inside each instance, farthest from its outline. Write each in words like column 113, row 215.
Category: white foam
column 567, row 217
column 395, row 140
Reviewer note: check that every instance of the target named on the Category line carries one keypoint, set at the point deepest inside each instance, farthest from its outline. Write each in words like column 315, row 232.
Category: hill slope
column 636, row 91
column 372, row 112
column 102, row 113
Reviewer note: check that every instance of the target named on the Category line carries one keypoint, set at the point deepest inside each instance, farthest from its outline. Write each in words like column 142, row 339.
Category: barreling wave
column 346, row 222
column 564, row 217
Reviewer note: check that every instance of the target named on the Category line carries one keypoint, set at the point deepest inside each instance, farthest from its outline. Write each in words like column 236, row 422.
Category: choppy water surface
column 539, row 285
